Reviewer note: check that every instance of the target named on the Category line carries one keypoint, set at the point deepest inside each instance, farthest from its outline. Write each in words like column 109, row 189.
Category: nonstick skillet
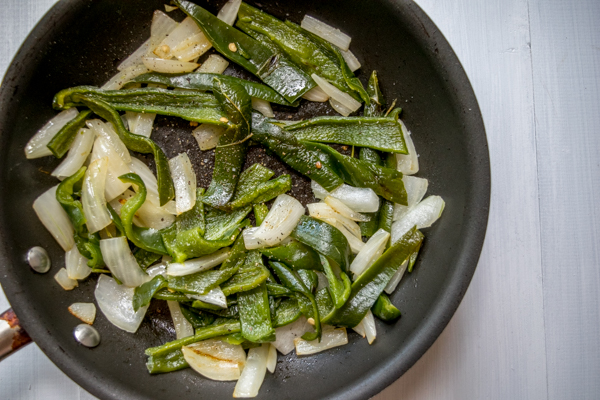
column 82, row 41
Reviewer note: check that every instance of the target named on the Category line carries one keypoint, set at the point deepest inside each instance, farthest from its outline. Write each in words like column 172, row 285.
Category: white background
column 528, row 325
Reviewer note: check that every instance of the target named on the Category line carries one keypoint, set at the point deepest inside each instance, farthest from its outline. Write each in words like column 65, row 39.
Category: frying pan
column 82, row 41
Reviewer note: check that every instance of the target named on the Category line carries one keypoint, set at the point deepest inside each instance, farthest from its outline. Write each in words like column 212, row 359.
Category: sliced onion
column 253, row 373
column 272, row 359
column 169, row 8
column 408, row 164
column 184, row 180
column 152, row 216
column 140, row 123
column 351, row 60
column 228, row 13
column 198, row 264
column 116, row 303
column 215, row 359
column 423, row 215
column 360, row 328
column 92, row 196
column 76, row 264
column 358, row 199
column 186, row 34
column 84, row 311
column 340, row 108
column 263, row 106
column 396, row 278
column 327, row 32
column 107, row 132
column 324, row 212
column 341, row 208
column 316, row 94
column 121, row 262
column 372, row 250
column 415, row 191
column 115, row 167
column 138, row 167
column 251, row 241
column 158, row 269
column 168, row 66
column 356, row 244
column 215, row 297
column 124, row 76
column 214, row 64
column 183, row 328
column 207, row 135
column 37, row 145
column 62, row 277
column 279, row 222
column 285, row 335
column 118, row 202
column 336, row 94
column 329, row 339
column 78, row 153
column 192, row 48
column 54, row 218
column 370, row 329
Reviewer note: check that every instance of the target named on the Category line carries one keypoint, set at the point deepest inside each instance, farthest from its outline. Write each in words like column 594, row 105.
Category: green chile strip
column 385, row 310
column 144, row 293
column 294, row 254
column 169, row 362
column 61, row 142
column 255, row 314
column 250, row 275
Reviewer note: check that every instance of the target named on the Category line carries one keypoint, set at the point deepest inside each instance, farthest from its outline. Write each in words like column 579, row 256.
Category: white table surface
column 528, row 327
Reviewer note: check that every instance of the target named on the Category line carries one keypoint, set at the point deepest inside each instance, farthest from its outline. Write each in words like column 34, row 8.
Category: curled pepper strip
column 61, row 142
column 339, row 283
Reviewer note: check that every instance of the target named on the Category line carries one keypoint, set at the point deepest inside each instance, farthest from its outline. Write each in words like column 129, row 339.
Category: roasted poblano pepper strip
column 191, row 243
column 324, row 303
column 144, row 293
column 255, row 314
column 193, row 218
column 413, row 258
column 231, row 150
column 286, row 312
column 376, row 105
column 370, row 284
column 325, row 239
column 169, row 362
column 260, row 212
column 198, row 319
column 309, row 278
column 254, row 186
column 224, row 328
column 294, row 254
column 61, row 142
column 369, row 228
column 250, row 178
column 221, row 225
column 277, row 290
column 204, row 81
column 290, row 280
column 165, row 294
column 250, row 275
column 374, row 132
column 385, row 310
column 145, row 258
column 145, row 238
column 339, row 283
column 386, row 211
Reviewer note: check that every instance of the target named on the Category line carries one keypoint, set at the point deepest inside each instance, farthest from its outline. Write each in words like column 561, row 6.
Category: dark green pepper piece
column 339, row 283
column 376, row 105
column 193, row 218
column 145, row 258
column 191, row 244
column 385, row 310
column 324, row 303
column 277, row 290
column 165, row 294
column 255, row 314
column 144, row 293
column 294, row 254
column 309, row 278
column 260, row 213
column 221, row 225
column 413, row 258
column 169, row 362
column 252, row 274
column 369, row 228
column 254, row 186
column 197, row 318
column 286, row 312
column 61, row 142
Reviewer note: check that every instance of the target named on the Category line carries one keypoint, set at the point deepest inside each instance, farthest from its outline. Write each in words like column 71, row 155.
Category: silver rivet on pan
column 86, row 335
column 38, row 259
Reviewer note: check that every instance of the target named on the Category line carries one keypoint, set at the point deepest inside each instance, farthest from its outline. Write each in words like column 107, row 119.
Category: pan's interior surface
column 82, row 41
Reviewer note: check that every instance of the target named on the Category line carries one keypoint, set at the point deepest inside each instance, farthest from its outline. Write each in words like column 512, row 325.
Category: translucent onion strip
column 358, row 199
column 327, row 32
column 285, row 335
column 107, row 132
column 186, row 42
column 330, row 338
column 215, row 297
column 272, row 359
column 316, row 94
column 148, row 215
column 324, row 212
column 336, row 94
column 408, row 164
column 341, row 208
column 207, row 135
column 168, row 66
column 263, row 106
column 198, row 264
column 62, row 277
column 78, row 153
column 340, row 108
column 415, row 191
column 372, row 250
column 54, row 218
column 37, row 145
column 76, row 264
column 280, row 221
column 115, row 167
column 356, row 244
column 253, row 373
column 216, row 359
column 140, row 123
column 116, row 303
column 183, row 328
column 121, row 262
column 124, row 76
column 214, row 64
column 351, row 60
column 228, row 13
column 423, row 215
column 184, row 180
column 192, row 48
column 138, row 167
column 84, row 311
column 396, row 278
column 370, row 329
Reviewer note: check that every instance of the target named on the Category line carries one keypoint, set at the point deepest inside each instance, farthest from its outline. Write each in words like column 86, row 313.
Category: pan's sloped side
column 82, row 41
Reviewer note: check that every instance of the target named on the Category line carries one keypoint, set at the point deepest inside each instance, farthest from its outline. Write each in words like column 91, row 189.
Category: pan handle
column 12, row 335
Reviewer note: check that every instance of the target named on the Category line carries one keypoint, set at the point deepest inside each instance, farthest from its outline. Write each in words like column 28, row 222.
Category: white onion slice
column 186, row 34
column 251, row 241
column 372, row 250
column 408, row 164
column 107, row 132
column 124, row 76
column 228, row 13
column 214, row 64
column 115, row 167
column 168, row 66
column 358, row 199
column 198, row 264
column 183, row 328
column 279, row 222
column 116, row 303
column 285, row 335
column 360, row 328
column 324, row 212
column 415, row 191
column 336, row 94
column 329, row 339
column 92, row 195
column 327, row 32
column 62, row 277
column 121, row 262
column 78, row 153
column 169, row 8
column 152, row 216
column 263, row 106
column 396, row 278
column 316, row 94
column 215, row 297
column 37, row 145
column 192, row 48
column 341, row 208
column 138, row 167
column 54, row 218
column 215, row 359
column 370, row 329
column 272, row 359
column 340, row 108
column 184, row 180
column 253, row 373
column 207, row 135
column 158, row 269
column 140, row 123
column 356, row 244
column 351, row 60
column 84, row 311
column 423, row 215
column 76, row 264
